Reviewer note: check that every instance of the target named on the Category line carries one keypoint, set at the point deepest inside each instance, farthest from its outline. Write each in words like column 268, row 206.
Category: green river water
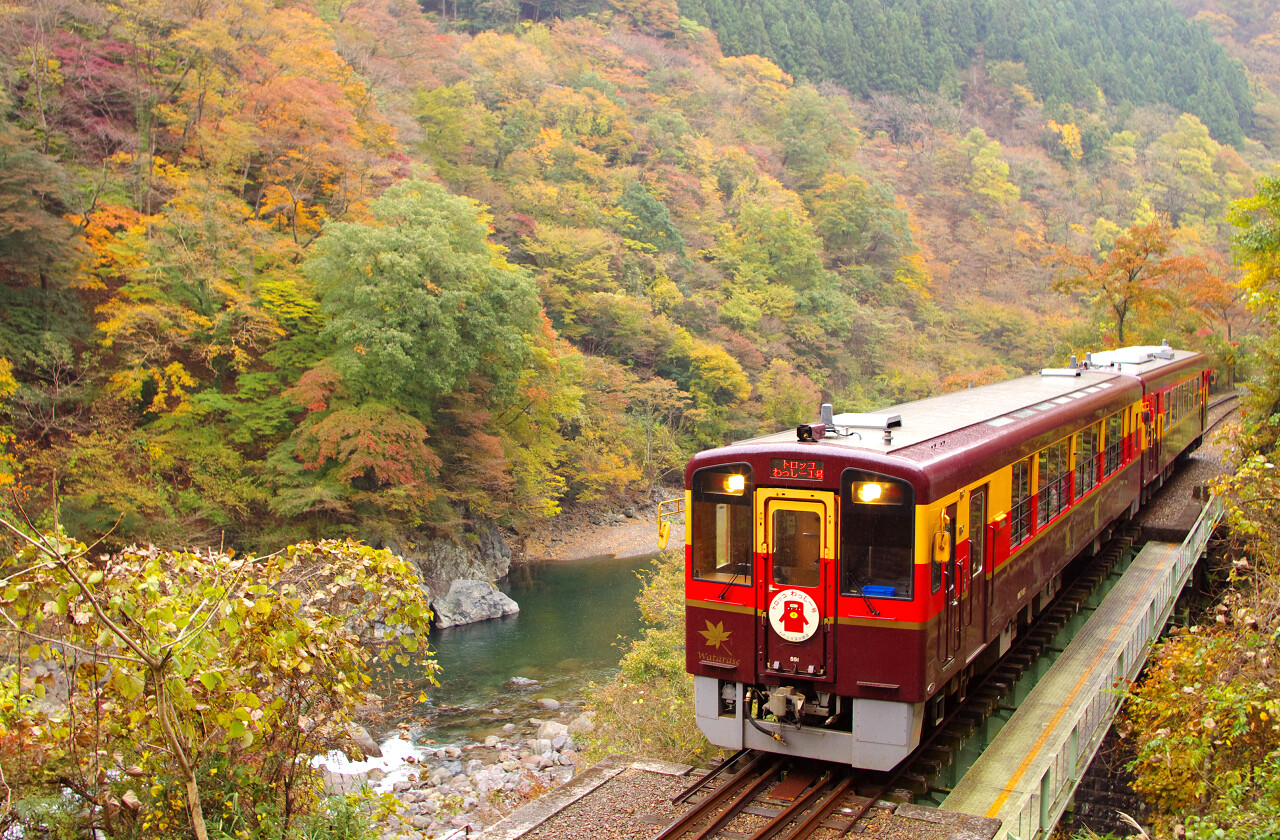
column 572, row 617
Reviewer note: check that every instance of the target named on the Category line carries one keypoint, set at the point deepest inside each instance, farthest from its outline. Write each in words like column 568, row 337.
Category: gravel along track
column 1173, row 511
column 631, row 800
column 632, row 805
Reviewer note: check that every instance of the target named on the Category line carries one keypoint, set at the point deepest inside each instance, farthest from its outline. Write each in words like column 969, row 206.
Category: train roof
column 1154, row 365
column 1019, row 401
column 947, row 441
column 1138, row 361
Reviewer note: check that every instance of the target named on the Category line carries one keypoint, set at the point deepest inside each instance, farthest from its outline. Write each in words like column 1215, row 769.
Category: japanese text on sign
column 788, row 468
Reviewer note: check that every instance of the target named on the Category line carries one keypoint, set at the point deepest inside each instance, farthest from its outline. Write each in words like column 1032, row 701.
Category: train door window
column 877, row 533
column 1020, row 509
column 1053, row 474
column 797, row 548
column 1086, row 460
column 977, row 531
column 721, row 524
column 1114, row 442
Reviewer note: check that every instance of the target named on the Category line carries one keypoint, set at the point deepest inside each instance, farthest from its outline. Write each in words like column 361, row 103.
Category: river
column 572, row 617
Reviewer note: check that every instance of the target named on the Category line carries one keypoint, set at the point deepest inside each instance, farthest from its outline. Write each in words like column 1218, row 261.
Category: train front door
column 796, row 531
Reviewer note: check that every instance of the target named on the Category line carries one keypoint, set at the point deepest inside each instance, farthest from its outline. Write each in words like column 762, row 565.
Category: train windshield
column 877, row 519
column 722, row 524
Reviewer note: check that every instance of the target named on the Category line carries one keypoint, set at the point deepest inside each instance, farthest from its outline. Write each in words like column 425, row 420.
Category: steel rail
column 825, row 808
column 682, row 824
column 788, row 814
column 739, row 802
column 707, row 779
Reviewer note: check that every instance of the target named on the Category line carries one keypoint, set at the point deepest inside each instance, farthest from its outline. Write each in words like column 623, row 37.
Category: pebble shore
column 455, row 791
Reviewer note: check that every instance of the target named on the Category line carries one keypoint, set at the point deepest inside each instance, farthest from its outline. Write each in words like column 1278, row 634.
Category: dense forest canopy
column 1140, row 52
column 284, row 270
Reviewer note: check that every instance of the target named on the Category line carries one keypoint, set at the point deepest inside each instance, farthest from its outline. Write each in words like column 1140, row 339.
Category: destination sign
column 790, row 468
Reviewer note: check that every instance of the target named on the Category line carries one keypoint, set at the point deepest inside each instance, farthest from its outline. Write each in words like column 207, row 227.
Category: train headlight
column 885, row 492
column 728, row 484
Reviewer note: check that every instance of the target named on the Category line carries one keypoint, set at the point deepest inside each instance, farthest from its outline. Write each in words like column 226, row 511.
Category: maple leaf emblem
column 715, row 634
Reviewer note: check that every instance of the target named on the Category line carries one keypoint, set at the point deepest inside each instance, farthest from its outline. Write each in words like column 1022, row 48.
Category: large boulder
column 470, row 601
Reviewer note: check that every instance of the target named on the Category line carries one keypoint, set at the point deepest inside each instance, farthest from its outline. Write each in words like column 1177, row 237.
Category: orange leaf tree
column 1134, row 278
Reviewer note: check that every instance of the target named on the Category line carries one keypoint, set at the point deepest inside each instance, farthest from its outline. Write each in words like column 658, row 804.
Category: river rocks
column 522, row 682
column 584, row 724
column 363, row 740
column 469, row 601
column 465, row 787
column 547, row 703
column 551, row 729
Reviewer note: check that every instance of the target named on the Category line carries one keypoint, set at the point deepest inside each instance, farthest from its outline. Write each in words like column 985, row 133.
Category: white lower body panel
column 883, row 732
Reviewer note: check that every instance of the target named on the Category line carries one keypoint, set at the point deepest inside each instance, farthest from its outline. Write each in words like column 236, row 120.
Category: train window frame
column 1113, row 450
column 1020, row 495
column 890, row 574
column 796, row 558
column 1053, row 481
column 730, row 518
column 1087, row 459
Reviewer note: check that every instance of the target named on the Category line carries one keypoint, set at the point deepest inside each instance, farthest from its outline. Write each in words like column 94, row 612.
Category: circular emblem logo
column 794, row 615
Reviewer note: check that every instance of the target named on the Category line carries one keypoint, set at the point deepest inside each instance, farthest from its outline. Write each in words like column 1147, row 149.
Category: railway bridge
column 1024, row 748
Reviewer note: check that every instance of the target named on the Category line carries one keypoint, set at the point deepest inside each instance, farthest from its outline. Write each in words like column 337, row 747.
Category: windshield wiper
column 857, row 590
column 732, row 581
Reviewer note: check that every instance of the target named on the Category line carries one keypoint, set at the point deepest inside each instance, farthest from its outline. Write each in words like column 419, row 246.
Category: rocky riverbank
column 439, row 791
column 455, row 791
column 630, row 532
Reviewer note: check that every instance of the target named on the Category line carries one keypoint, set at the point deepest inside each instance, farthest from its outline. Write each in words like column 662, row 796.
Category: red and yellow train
column 845, row 581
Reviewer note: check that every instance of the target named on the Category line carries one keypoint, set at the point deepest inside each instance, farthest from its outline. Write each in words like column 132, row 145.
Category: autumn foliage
column 364, row 269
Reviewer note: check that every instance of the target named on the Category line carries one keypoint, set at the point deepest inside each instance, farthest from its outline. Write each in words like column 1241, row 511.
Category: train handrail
column 667, row 511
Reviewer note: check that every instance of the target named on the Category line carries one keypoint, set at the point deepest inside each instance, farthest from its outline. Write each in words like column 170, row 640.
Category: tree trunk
column 197, row 813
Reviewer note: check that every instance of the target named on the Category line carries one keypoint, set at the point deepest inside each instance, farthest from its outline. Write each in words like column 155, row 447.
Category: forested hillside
column 278, row 270
column 1140, row 52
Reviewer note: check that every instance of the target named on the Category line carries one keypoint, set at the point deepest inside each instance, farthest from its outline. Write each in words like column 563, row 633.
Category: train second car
column 844, row 581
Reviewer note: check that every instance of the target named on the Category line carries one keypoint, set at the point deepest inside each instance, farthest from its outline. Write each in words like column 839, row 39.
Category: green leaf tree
column 177, row 663
column 427, row 319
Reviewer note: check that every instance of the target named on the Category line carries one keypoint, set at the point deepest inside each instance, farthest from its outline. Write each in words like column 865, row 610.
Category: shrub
column 648, row 708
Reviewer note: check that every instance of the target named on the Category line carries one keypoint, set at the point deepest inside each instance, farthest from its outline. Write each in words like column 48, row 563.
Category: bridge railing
column 1039, row 811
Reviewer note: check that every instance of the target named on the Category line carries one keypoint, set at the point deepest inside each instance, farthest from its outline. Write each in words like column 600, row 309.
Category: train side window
column 721, row 523
column 1053, row 475
column 1086, row 460
column 977, row 531
column 1114, row 443
column 1020, row 509
column 877, row 533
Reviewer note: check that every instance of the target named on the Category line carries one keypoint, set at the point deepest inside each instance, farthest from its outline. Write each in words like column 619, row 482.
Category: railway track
column 1232, row 400
column 761, row 796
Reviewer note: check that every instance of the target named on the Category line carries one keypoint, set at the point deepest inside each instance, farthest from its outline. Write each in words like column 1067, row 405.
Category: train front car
column 782, row 660
column 844, row 581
